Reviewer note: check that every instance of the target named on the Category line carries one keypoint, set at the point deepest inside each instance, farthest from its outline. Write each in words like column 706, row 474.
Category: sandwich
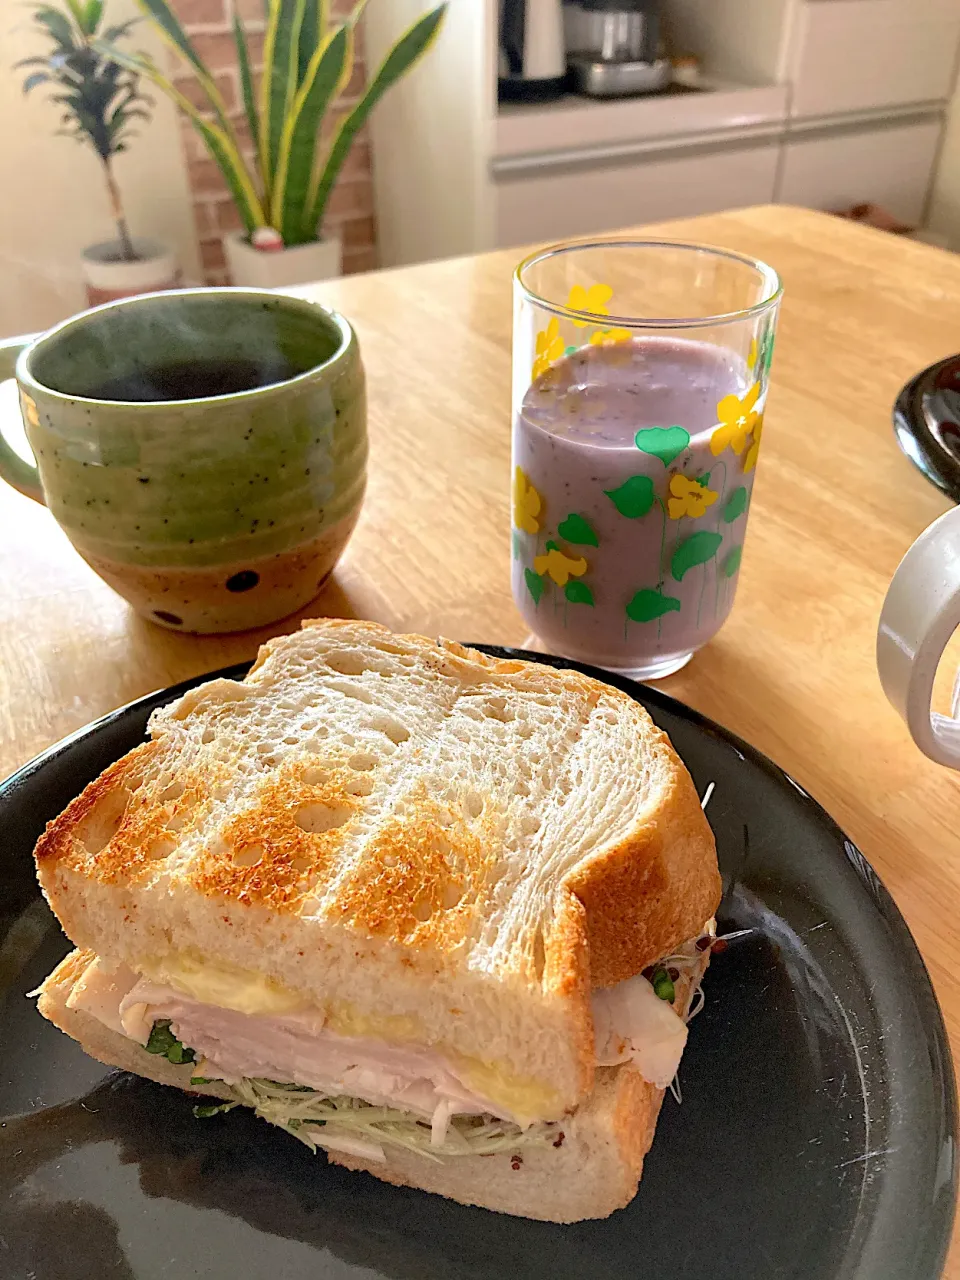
column 438, row 914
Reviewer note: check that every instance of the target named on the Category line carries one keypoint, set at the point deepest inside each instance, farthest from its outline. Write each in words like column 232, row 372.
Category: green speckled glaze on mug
column 208, row 514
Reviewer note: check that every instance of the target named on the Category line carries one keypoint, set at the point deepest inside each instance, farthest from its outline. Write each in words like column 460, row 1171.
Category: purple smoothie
column 626, row 547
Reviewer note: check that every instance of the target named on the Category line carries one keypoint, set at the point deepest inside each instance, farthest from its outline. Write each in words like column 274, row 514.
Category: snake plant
column 308, row 59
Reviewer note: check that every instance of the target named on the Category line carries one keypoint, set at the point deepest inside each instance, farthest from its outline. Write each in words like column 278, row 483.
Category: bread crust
column 413, row 910
column 651, row 891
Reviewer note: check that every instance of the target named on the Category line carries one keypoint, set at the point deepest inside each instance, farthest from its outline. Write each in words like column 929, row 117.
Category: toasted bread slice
column 426, row 843
column 594, row 1169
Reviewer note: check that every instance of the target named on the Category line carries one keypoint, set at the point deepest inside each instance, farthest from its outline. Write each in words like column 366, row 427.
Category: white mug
column 920, row 614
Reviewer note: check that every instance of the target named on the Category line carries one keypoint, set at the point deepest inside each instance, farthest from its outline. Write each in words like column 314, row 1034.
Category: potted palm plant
column 100, row 103
column 282, row 193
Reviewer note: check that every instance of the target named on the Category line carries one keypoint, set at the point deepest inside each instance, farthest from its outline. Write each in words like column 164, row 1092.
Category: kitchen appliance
column 614, row 47
column 532, row 52
column 925, row 420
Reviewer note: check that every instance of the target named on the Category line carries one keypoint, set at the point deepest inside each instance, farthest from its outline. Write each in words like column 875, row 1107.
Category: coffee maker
column 614, row 47
column 533, row 61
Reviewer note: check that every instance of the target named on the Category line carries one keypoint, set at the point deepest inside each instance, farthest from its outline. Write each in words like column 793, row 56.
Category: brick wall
column 350, row 208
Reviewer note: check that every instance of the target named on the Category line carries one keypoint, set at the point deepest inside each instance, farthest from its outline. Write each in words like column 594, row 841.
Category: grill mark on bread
column 291, row 858
column 129, row 819
column 419, row 883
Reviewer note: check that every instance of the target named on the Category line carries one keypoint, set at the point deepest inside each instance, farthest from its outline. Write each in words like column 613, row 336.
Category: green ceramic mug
column 203, row 449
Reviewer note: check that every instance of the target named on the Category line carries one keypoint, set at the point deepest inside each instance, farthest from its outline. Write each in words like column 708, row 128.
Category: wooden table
column 835, row 507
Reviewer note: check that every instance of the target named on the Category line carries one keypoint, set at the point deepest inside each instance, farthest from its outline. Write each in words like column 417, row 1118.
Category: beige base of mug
column 203, row 601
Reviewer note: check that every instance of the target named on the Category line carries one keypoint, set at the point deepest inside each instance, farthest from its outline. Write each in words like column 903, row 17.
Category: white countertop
column 573, row 122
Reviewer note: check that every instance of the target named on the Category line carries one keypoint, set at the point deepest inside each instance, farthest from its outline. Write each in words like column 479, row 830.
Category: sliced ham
column 294, row 1049
column 99, row 992
column 631, row 1024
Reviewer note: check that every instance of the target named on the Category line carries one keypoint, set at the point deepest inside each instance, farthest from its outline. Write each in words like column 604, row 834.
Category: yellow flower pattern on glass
column 594, row 300
column 550, row 347
column 560, row 567
column 608, row 337
column 688, row 498
column 752, row 357
column 750, row 461
column 527, row 503
column 737, row 418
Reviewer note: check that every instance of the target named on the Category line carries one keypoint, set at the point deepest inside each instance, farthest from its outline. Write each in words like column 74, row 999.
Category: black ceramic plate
column 926, row 420
column 815, row 1139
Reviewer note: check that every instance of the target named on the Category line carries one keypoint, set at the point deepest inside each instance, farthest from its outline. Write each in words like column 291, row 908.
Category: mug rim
column 27, row 379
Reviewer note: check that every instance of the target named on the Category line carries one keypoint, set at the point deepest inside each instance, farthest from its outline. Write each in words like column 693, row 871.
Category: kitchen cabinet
column 575, row 200
column 852, row 55
column 826, row 103
column 888, row 164
column 839, row 56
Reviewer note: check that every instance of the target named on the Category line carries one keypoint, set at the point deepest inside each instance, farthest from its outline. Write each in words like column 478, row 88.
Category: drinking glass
column 640, row 374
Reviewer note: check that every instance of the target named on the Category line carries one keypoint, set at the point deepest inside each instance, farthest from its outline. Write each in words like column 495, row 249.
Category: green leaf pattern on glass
column 665, row 443
column 648, row 605
column 735, row 505
column 578, row 592
column 766, row 353
column 634, row 498
column 731, row 561
column 577, row 530
column 535, row 584
column 697, row 549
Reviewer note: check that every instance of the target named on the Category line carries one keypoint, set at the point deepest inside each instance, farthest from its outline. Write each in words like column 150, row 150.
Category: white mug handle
column 920, row 614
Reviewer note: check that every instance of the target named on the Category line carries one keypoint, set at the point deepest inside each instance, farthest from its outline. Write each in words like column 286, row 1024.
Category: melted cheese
column 239, row 989
column 346, row 1020
column 523, row 1098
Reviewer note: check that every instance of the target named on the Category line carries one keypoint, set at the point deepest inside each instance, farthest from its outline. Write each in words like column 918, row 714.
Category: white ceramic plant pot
column 108, row 276
column 302, row 264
